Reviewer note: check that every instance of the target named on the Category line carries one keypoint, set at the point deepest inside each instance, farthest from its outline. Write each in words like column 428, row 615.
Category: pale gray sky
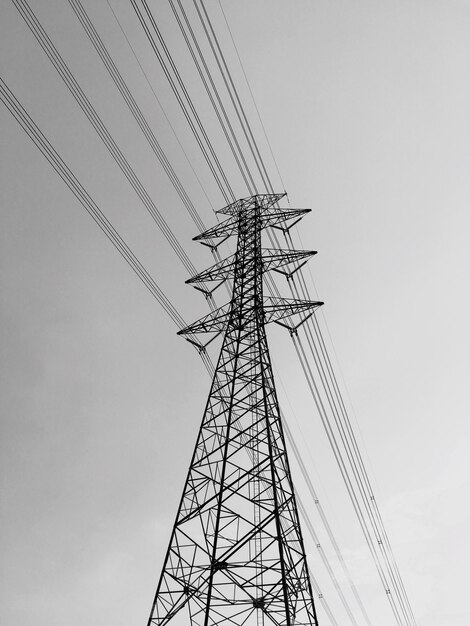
column 366, row 106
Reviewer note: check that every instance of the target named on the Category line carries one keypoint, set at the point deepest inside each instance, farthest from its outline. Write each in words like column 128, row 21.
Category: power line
column 251, row 92
column 61, row 168
column 360, row 476
column 343, row 469
column 157, row 100
column 214, row 96
column 93, row 117
column 232, row 91
column 184, row 100
column 30, row 127
column 349, row 442
column 325, row 521
column 326, row 563
column 134, row 108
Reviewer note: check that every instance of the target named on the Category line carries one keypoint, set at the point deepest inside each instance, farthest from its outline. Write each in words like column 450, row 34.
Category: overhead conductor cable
column 80, row 97
column 61, row 168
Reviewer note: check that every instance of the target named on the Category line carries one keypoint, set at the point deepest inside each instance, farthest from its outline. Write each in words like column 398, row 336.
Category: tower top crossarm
column 270, row 215
column 261, row 200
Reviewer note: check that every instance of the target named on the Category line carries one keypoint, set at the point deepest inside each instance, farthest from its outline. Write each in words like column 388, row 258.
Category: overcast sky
column 366, row 106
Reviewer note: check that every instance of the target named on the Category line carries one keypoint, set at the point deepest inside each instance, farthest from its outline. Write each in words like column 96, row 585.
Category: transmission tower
column 236, row 554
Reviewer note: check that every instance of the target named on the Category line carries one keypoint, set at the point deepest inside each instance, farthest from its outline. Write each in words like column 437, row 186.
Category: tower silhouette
column 236, row 554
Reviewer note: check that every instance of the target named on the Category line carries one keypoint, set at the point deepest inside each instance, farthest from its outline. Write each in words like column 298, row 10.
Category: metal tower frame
column 236, row 554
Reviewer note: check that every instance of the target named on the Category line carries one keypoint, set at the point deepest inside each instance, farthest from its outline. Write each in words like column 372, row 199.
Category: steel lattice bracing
column 236, row 553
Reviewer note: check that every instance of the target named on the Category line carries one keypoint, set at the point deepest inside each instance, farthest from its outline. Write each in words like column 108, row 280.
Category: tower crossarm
column 261, row 200
column 215, row 321
column 289, row 313
column 289, row 260
column 280, row 310
column 269, row 216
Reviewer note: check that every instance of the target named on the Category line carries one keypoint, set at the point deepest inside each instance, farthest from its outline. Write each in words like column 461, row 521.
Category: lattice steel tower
column 236, row 554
